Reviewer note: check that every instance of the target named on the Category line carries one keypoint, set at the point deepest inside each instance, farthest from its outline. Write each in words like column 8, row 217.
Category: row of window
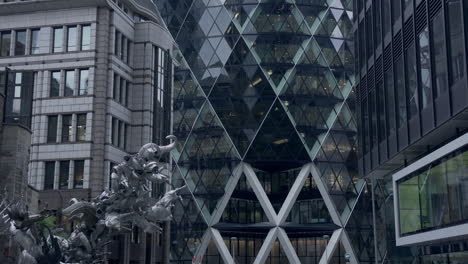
column 421, row 74
column 119, row 131
column 72, row 38
column 122, row 46
column 75, row 82
column 71, row 125
column 78, row 37
column 120, row 90
column 64, row 174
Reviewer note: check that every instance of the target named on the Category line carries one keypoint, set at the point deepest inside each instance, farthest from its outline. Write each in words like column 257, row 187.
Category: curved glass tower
column 264, row 109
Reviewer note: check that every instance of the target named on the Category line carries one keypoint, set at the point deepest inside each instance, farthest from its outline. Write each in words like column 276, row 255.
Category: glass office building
column 264, row 112
column 412, row 95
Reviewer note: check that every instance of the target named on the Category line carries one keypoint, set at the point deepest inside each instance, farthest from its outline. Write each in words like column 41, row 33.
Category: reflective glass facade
column 411, row 90
column 264, row 112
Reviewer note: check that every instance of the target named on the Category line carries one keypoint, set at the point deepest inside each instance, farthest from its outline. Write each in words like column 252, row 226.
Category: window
column 78, row 174
column 401, row 92
column 381, row 109
column 64, row 173
column 115, row 132
column 58, row 40
column 20, row 43
column 123, row 88
column 116, row 86
column 118, row 133
column 365, row 126
column 72, row 38
column 386, row 19
column 117, row 43
column 390, row 96
column 81, row 127
column 455, row 29
column 373, row 119
column 16, row 109
column 411, row 80
column 69, row 82
column 396, row 10
column 5, row 41
column 408, row 3
column 55, row 84
column 425, row 68
column 35, row 41
column 52, row 129
column 86, row 37
column 369, row 31
column 377, row 23
column 440, row 59
column 49, row 175
column 66, row 128
column 84, row 82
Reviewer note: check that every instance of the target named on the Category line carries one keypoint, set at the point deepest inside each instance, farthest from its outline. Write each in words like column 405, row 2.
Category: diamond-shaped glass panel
column 277, row 146
column 242, row 98
column 208, row 159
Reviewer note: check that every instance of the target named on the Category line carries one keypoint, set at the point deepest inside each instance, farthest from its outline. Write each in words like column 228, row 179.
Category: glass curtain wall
column 267, row 83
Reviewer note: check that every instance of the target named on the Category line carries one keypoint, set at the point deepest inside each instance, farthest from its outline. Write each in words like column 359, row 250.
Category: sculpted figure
column 127, row 204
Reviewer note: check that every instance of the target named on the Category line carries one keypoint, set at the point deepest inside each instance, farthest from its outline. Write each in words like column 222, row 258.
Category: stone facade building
column 89, row 82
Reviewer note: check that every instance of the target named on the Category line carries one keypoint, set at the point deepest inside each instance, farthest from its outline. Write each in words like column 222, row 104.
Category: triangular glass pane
column 277, row 254
column 277, row 146
column 208, row 159
column 188, row 224
column 360, row 228
column 173, row 13
column 212, row 255
column 243, row 207
column 242, row 98
column 310, row 246
column 277, row 184
column 309, row 209
column 188, row 99
column 244, row 245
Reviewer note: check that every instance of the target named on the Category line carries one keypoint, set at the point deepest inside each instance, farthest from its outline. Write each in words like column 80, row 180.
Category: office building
column 411, row 72
column 264, row 110
column 89, row 83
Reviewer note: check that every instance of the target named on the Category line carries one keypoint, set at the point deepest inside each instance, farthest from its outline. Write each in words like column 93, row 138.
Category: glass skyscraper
column 264, row 110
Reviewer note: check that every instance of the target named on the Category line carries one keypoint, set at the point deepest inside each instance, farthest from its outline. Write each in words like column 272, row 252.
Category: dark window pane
column 81, row 127
column 84, row 81
column 86, row 37
column 365, row 126
column 20, row 43
column 369, row 31
column 408, row 3
column 116, row 88
column 5, row 42
column 440, row 58
column 123, row 85
column 390, row 96
column 117, row 43
column 401, row 92
column 425, row 68
column 66, row 128
column 49, row 175
column 115, row 132
column 411, row 80
column 456, row 40
column 373, row 119
column 55, row 84
column 378, row 22
column 58, row 40
column 64, row 173
column 386, row 19
column 35, row 41
column 78, row 174
column 396, row 10
column 69, row 83
column 381, row 111
column 52, row 129
column 72, row 38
